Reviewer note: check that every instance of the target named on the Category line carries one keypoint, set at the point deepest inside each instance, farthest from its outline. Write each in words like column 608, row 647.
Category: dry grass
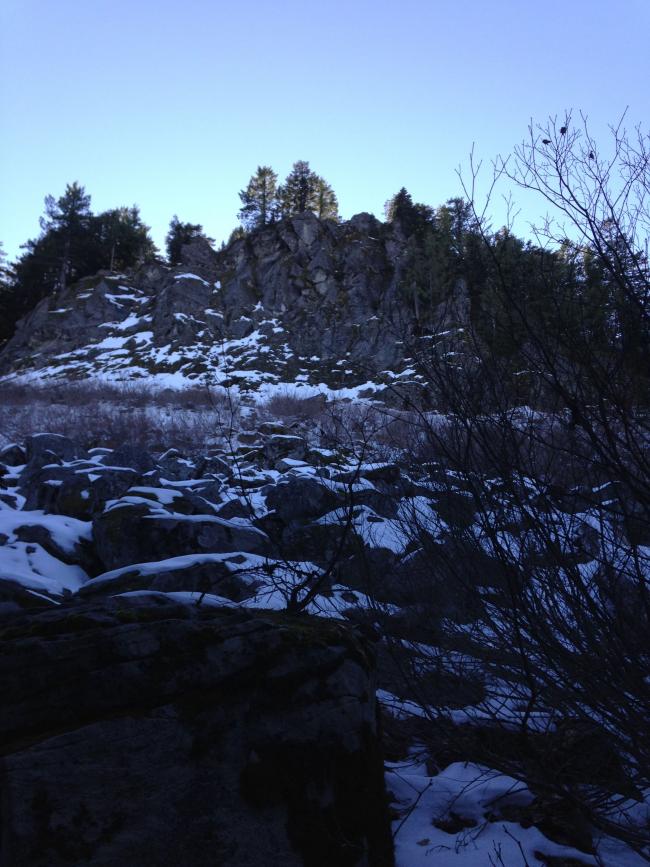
column 290, row 407
column 103, row 414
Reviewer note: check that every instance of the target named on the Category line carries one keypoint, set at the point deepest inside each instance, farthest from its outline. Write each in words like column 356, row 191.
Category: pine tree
column 259, row 200
column 122, row 239
column 3, row 264
column 74, row 243
column 297, row 192
column 34, row 275
column 398, row 205
column 327, row 206
column 626, row 277
column 410, row 216
column 303, row 191
column 67, row 218
column 6, row 297
column 62, row 252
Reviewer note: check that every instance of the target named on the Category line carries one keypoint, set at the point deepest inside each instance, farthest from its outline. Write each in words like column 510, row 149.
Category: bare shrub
column 106, row 414
column 552, row 570
column 290, row 406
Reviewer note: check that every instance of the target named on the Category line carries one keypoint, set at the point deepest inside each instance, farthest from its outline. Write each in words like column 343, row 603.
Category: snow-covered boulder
column 136, row 529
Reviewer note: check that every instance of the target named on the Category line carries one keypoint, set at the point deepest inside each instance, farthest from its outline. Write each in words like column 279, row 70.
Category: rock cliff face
column 138, row 730
column 303, row 300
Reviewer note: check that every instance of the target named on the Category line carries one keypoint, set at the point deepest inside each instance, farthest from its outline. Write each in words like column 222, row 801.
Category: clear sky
column 172, row 105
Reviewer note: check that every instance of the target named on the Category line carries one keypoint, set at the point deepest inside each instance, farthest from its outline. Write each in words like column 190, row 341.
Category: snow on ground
column 28, row 563
column 452, row 819
column 66, row 532
column 239, row 562
column 191, row 277
column 131, row 321
column 393, row 534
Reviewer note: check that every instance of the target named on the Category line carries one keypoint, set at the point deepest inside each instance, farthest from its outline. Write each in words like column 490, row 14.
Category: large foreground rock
column 142, row 731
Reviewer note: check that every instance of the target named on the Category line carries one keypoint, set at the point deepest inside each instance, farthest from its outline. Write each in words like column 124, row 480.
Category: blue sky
column 173, row 105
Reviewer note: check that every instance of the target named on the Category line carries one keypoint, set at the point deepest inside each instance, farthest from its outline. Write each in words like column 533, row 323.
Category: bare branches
column 553, row 565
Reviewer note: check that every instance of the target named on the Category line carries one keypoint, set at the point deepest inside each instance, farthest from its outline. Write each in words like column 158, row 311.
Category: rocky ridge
column 304, row 302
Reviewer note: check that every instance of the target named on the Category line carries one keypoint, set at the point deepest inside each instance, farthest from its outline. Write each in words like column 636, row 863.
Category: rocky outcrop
column 304, row 298
column 142, row 731
column 334, row 286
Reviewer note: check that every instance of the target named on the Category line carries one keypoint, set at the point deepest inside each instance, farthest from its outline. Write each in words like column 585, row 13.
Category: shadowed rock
column 136, row 532
column 140, row 731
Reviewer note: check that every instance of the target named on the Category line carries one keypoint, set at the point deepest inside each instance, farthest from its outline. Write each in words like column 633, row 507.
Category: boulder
column 280, row 446
column 269, row 428
column 175, row 500
column 301, row 499
column 321, row 543
column 64, row 449
column 390, row 473
column 140, row 731
column 176, row 467
column 137, row 533
column 237, row 507
column 456, row 508
column 13, row 455
column 79, row 491
column 14, row 597
column 210, row 490
column 382, row 503
column 11, row 500
column 200, row 574
column 132, row 457
column 214, row 465
column 40, row 485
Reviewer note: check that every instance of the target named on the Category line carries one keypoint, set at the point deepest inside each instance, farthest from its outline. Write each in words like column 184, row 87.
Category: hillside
column 304, row 302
